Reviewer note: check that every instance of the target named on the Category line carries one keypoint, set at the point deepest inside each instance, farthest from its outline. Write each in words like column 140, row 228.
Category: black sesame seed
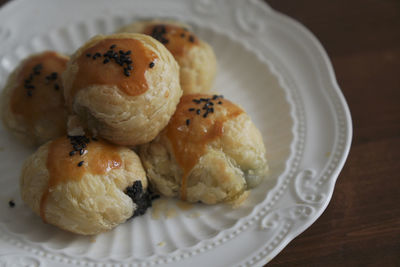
column 198, row 111
column 182, row 35
column 127, row 73
column 214, row 97
column 106, row 60
column 113, row 46
column 191, row 109
column 130, row 67
column 121, row 52
column 164, row 41
column 37, row 67
column 191, row 38
column 72, row 153
column 88, row 55
column 80, row 163
column 56, row 86
column 11, row 204
column 205, row 114
column 128, row 52
column 211, row 110
column 219, row 102
column 151, row 65
column 81, row 152
column 97, row 54
column 187, row 122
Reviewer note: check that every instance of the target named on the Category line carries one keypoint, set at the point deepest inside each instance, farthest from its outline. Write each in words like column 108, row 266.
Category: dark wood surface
column 361, row 226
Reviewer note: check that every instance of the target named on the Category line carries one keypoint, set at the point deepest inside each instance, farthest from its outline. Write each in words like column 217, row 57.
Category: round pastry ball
column 84, row 185
column 195, row 57
column 210, row 152
column 32, row 102
column 124, row 87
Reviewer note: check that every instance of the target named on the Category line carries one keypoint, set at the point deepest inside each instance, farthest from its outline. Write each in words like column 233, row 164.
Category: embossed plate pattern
column 268, row 63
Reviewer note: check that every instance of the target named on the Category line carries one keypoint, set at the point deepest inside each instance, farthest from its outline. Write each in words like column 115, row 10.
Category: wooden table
column 361, row 226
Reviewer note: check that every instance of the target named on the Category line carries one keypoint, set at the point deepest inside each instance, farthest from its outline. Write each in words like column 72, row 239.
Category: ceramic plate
column 269, row 64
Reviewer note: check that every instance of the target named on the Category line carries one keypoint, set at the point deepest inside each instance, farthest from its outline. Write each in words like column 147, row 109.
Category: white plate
column 268, row 63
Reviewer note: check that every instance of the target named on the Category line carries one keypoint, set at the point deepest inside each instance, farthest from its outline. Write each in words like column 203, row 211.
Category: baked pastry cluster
column 145, row 90
column 123, row 87
column 32, row 102
column 195, row 57
column 210, row 152
column 84, row 185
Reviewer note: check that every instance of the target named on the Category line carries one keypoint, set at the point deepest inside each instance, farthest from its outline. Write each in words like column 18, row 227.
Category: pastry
column 195, row 57
column 210, row 152
column 84, row 185
column 32, row 103
column 123, row 87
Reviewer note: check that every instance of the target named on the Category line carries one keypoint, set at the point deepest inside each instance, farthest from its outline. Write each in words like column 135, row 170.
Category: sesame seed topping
column 88, row 55
column 191, row 39
column 11, row 204
column 121, row 57
column 56, row 87
column 151, row 65
column 80, row 163
column 198, row 111
column 72, row 153
column 192, row 109
column 219, row 102
column 183, row 35
column 187, row 122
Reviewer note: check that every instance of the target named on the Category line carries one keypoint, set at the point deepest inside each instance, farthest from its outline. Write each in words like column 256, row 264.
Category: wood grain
column 361, row 226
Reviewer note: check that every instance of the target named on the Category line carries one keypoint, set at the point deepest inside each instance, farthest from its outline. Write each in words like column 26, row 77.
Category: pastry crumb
column 11, row 203
column 194, row 215
column 236, row 203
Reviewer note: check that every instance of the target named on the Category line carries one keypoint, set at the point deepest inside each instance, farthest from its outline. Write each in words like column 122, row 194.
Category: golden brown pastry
column 123, row 87
column 210, row 152
column 32, row 103
column 84, row 185
column 195, row 57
